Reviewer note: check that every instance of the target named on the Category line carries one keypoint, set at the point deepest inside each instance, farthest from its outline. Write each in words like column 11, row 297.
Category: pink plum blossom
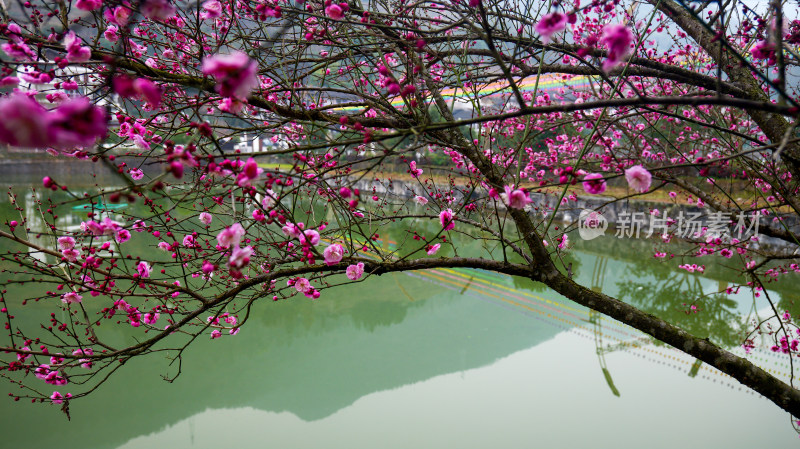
column 231, row 236
column 515, row 198
column 594, row 184
column 35, row 77
column 71, row 297
column 333, row 254
column 231, row 105
column 143, row 268
column 563, row 241
column 415, row 172
column 72, row 255
column 205, row 218
column 77, row 123
column 393, row 88
column 638, row 178
column 447, row 219
column 354, row 272
column 122, row 236
column 618, row 39
column 58, row 398
column 175, row 167
column 270, row 199
column 139, row 226
column 302, row 285
column 136, row 174
column 309, row 237
column 149, row 91
column 693, row 267
column 159, row 10
column 106, row 227
column 764, row 50
column 111, row 34
column 235, row 74
column 76, row 53
column 250, row 172
column 9, row 81
column 118, row 16
column 550, row 24
column 266, row 10
column 150, row 318
column 141, row 88
column 19, row 51
column 25, row 123
column 188, row 241
column 420, row 200
column 53, row 378
column 334, row 11
column 42, row 371
column 240, row 257
column 212, row 9
column 86, row 363
column 23, row 357
column 434, row 249
column 66, row 242
column 89, row 5
column 94, row 228
column 292, row 230
column 15, row 32
column 134, row 316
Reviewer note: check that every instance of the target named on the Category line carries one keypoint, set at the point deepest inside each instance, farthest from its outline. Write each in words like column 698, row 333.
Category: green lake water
column 442, row 359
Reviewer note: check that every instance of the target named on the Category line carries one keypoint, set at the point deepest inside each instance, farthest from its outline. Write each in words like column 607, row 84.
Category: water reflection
column 444, row 358
column 670, row 295
column 537, row 397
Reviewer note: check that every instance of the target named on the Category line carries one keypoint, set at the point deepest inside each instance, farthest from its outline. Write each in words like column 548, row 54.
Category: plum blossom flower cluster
column 75, row 123
column 235, row 74
column 230, row 238
column 224, row 322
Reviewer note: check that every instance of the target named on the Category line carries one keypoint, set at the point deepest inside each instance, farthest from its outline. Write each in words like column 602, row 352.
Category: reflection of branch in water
column 402, row 289
column 695, row 368
column 625, row 345
column 670, row 294
column 594, row 318
column 598, row 275
column 466, row 286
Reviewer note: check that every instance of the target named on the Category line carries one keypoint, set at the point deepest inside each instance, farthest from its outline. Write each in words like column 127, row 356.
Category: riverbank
column 635, row 217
